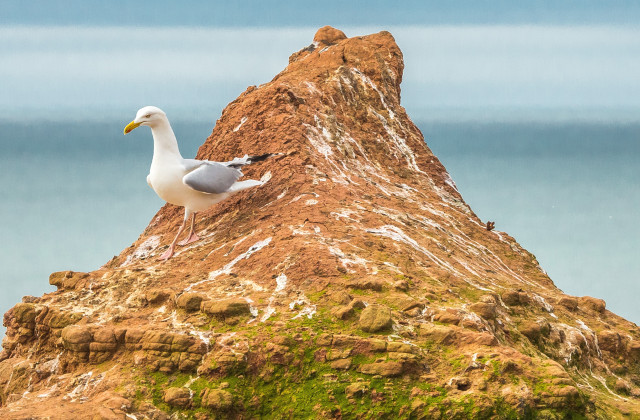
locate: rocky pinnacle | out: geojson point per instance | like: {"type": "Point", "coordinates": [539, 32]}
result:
{"type": "Point", "coordinates": [356, 283]}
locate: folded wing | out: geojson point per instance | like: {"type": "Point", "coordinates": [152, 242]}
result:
{"type": "Point", "coordinates": [210, 177]}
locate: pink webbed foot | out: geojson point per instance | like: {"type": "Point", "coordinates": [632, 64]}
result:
{"type": "Point", "coordinates": [192, 238]}
{"type": "Point", "coordinates": [167, 254]}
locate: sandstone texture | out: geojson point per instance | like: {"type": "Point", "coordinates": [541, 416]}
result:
{"type": "Point", "coordinates": [356, 283]}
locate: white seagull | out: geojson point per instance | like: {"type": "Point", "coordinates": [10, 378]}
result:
{"type": "Point", "coordinates": [193, 184]}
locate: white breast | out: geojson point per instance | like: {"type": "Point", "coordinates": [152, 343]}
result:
{"type": "Point", "coordinates": [166, 181]}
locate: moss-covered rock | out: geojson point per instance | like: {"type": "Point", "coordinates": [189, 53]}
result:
{"type": "Point", "coordinates": [177, 397]}
{"type": "Point", "coordinates": [387, 369]}
{"type": "Point", "coordinates": [356, 390]}
{"type": "Point", "coordinates": [24, 313]}
{"type": "Point", "coordinates": [217, 399]}
{"type": "Point", "coordinates": [226, 307]}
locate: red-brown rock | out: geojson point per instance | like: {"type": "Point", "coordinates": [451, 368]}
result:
{"type": "Point", "coordinates": [356, 213]}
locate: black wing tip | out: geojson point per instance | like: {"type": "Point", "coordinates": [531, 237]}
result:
{"type": "Point", "coordinates": [260, 158]}
{"type": "Point", "coordinates": [254, 159]}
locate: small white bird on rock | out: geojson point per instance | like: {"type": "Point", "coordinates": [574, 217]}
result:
{"type": "Point", "coordinates": [193, 184]}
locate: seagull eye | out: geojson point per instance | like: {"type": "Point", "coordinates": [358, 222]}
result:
{"type": "Point", "coordinates": [148, 116]}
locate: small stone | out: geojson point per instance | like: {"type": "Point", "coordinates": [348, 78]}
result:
{"type": "Point", "coordinates": [224, 385]}
{"type": "Point", "coordinates": [357, 304]}
{"type": "Point", "coordinates": [24, 313]}
{"type": "Point", "coordinates": [113, 401]}
{"type": "Point", "coordinates": [156, 297]}
{"type": "Point", "coordinates": [593, 304]}
{"type": "Point", "coordinates": [460, 383]}
{"type": "Point", "coordinates": [399, 347]}
{"type": "Point", "coordinates": [413, 313]}
{"type": "Point", "coordinates": [190, 302]}
{"type": "Point", "coordinates": [488, 299]}
{"type": "Point", "coordinates": [328, 35]}
{"type": "Point", "coordinates": [428, 378]}
{"type": "Point", "coordinates": [401, 285]}
{"type": "Point", "coordinates": [531, 329]}
{"type": "Point", "coordinates": [485, 310]}
{"type": "Point", "coordinates": [341, 364]}
{"type": "Point", "coordinates": [634, 349]}
{"type": "Point", "coordinates": [76, 338]}
{"type": "Point", "coordinates": [515, 297]}
{"type": "Point", "coordinates": [375, 318]}
{"type": "Point", "coordinates": [402, 356]}
{"type": "Point", "coordinates": [562, 381]}
{"type": "Point", "coordinates": [447, 316]}
{"type": "Point", "coordinates": [356, 390]}
{"type": "Point", "coordinates": [339, 297]}
{"type": "Point", "coordinates": [324, 340]}
{"type": "Point", "coordinates": [226, 307]}
{"type": "Point", "coordinates": [217, 399]}
{"type": "Point", "coordinates": [569, 302]}
{"type": "Point", "coordinates": [177, 397]}
{"type": "Point", "coordinates": [366, 283]}
{"type": "Point", "coordinates": [622, 387]}
{"type": "Point", "coordinates": [66, 279]}
{"type": "Point", "coordinates": [417, 408]}
{"type": "Point", "coordinates": [343, 312]}
{"type": "Point", "coordinates": [386, 369]}
{"type": "Point", "coordinates": [609, 341]}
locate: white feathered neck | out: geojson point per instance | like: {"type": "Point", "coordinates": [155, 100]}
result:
{"type": "Point", "coordinates": [165, 144]}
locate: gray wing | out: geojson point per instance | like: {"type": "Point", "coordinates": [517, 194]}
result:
{"type": "Point", "coordinates": [209, 177]}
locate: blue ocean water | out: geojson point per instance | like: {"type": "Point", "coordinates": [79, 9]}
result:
{"type": "Point", "coordinates": [74, 194]}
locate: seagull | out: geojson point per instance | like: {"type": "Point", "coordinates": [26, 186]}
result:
{"type": "Point", "coordinates": [193, 184]}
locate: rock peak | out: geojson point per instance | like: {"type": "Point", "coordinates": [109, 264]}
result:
{"type": "Point", "coordinates": [357, 272]}
{"type": "Point", "coordinates": [328, 35]}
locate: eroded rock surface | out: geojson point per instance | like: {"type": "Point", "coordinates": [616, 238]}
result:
{"type": "Point", "coordinates": [356, 281]}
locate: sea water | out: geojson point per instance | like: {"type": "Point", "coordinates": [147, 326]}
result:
{"type": "Point", "coordinates": [74, 194]}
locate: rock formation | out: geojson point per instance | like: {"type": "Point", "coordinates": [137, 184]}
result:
{"type": "Point", "coordinates": [356, 283]}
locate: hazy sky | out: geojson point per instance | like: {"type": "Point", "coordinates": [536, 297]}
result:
{"type": "Point", "coordinates": [93, 59]}
{"type": "Point", "coordinates": [84, 71]}
{"type": "Point", "coordinates": [280, 13]}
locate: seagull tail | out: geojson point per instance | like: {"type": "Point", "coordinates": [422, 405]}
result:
{"type": "Point", "coordinates": [243, 185]}
{"type": "Point", "coordinates": [248, 160]}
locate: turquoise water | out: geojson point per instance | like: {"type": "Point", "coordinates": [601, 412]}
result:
{"type": "Point", "coordinates": [74, 194]}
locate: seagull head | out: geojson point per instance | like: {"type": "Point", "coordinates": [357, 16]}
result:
{"type": "Point", "coordinates": [149, 116]}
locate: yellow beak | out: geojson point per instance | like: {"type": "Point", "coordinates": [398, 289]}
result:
{"type": "Point", "coordinates": [129, 128]}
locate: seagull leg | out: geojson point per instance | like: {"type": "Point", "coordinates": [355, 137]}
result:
{"type": "Point", "coordinates": [169, 252]}
{"type": "Point", "coordinates": [192, 235]}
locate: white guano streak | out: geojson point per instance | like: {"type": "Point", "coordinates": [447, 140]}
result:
{"type": "Point", "coordinates": [398, 235]}
{"type": "Point", "coordinates": [227, 268]}
{"type": "Point", "coordinates": [395, 233]}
